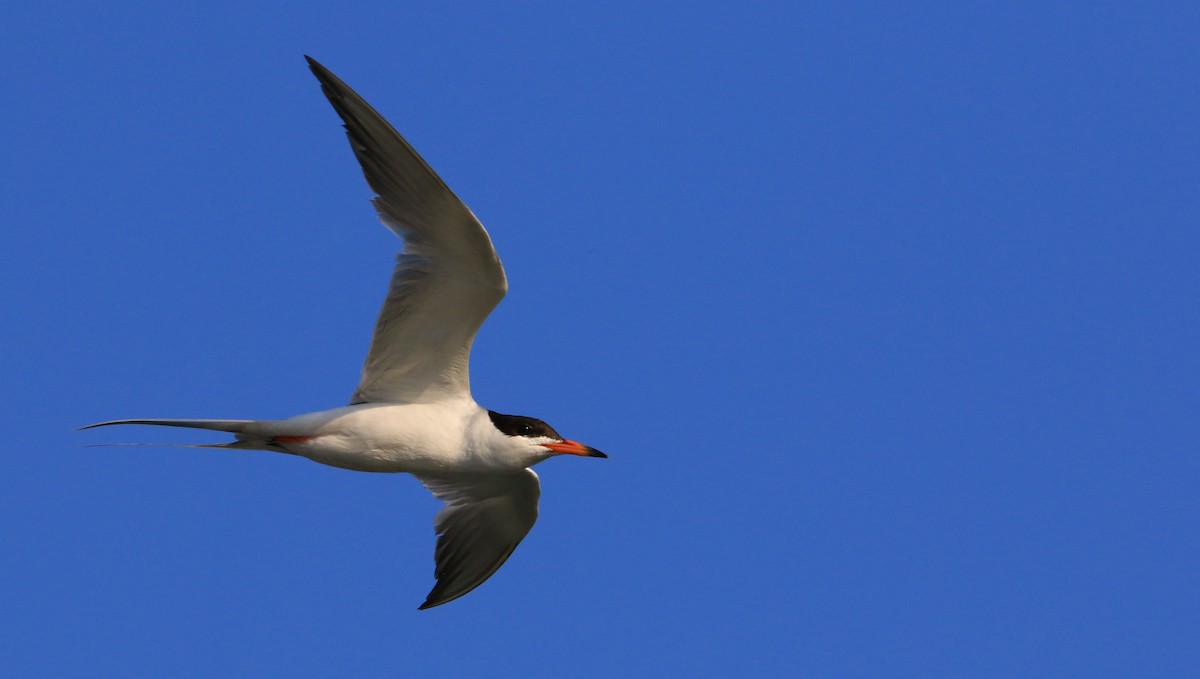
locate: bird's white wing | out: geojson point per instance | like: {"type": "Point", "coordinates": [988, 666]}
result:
{"type": "Point", "coordinates": [447, 280]}
{"type": "Point", "coordinates": [484, 520]}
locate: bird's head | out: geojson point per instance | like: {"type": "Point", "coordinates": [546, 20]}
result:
{"type": "Point", "coordinates": [540, 435]}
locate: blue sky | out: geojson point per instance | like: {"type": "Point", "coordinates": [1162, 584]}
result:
{"type": "Point", "coordinates": [887, 315]}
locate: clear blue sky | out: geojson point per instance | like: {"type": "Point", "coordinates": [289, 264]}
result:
{"type": "Point", "coordinates": [887, 314]}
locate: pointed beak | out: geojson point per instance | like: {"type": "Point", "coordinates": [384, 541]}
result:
{"type": "Point", "coordinates": [573, 448]}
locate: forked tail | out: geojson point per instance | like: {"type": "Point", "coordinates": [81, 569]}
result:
{"type": "Point", "coordinates": [231, 426]}
{"type": "Point", "coordinates": [239, 428]}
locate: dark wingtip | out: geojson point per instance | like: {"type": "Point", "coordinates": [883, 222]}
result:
{"type": "Point", "coordinates": [325, 76]}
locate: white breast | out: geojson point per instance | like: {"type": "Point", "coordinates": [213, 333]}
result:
{"type": "Point", "coordinates": [431, 438]}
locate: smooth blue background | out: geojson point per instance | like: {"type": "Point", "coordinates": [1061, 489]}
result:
{"type": "Point", "coordinates": [887, 314]}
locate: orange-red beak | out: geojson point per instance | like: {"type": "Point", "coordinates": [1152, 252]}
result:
{"type": "Point", "coordinates": [573, 448]}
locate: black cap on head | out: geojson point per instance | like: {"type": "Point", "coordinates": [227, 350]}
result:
{"type": "Point", "coordinates": [517, 425]}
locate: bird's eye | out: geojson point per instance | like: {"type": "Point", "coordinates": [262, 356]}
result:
{"type": "Point", "coordinates": [525, 429]}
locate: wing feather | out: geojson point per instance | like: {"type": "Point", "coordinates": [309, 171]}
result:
{"type": "Point", "coordinates": [484, 520]}
{"type": "Point", "coordinates": [447, 280]}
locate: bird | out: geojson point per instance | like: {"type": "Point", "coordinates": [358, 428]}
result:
{"type": "Point", "coordinates": [412, 411]}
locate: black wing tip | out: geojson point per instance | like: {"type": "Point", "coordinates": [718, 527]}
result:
{"type": "Point", "coordinates": [317, 68]}
{"type": "Point", "coordinates": [432, 601]}
{"type": "Point", "coordinates": [333, 87]}
{"type": "Point", "coordinates": [443, 593]}
{"type": "Point", "coordinates": [438, 596]}
{"type": "Point", "coordinates": [341, 96]}
{"type": "Point", "coordinates": [329, 82]}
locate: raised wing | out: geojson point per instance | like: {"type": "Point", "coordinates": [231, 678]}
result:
{"type": "Point", "coordinates": [447, 280]}
{"type": "Point", "coordinates": [484, 520]}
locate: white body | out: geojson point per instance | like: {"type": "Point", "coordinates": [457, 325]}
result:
{"type": "Point", "coordinates": [419, 438]}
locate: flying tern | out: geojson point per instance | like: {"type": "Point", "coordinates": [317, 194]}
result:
{"type": "Point", "coordinates": [413, 411]}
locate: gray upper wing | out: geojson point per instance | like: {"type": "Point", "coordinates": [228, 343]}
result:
{"type": "Point", "coordinates": [447, 280]}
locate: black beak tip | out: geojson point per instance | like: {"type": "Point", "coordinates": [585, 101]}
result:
{"type": "Point", "coordinates": [592, 452]}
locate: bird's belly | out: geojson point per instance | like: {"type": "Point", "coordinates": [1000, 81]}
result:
{"type": "Point", "coordinates": [364, 457]}
{"type": "Point", "coordinates": [385, 438]}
